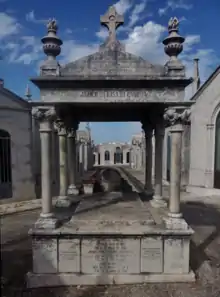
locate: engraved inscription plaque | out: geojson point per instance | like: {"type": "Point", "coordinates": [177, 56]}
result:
{"type": "Point", "coordinates": [110, 256]}
{"type": "Point", "coordinates": [112, 95]}
{"type": "Point", "coordinates": [69, 255]}
{"type": "Point", "coordinates": [176, 255]}
{"type": "Point", "coordinates": [152, 255]}
{"type": "Point", "coordinates": [44, 255]}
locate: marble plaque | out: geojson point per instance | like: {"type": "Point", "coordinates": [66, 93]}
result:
{"type": "Point", "coordinates": [176, 255]}
{"type": "Point", "coordinates": [69, 255]}
{"type": "Point", "coordinates": [110, 256]}
{"type": "Point", "coordinates": [152, 255]}
{"type": "Point", "coordinates": [44, 255]}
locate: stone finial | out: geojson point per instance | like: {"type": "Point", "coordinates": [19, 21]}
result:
{"type": "Point", "coordinates": [112, 20]}
{"type": "Point", "coordinates": [28, 93]}
{"type": "Point", "coordinates": [52, 48]}
{"type": "Point", "coordinates": [173, 47]}
{"type": "Point", "coordinates": [52, 26]}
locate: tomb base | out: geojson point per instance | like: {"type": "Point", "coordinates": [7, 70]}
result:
{"type": "Point", "coordinates": [117, 243]}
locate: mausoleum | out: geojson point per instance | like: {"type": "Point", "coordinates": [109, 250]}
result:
{"type": "Point", "coordinates": [114, 237]}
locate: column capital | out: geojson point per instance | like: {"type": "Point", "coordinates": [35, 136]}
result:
{"type": "Point", "coordinates": [176, 117]}
{"type": "Point", "coordinates": [60, 127]}
{"type": "Point", "coordinates": [44, 113]}
{"type": "Point", "coordinates": [71, 133]}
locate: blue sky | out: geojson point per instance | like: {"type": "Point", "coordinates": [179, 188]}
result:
{"type": "Point", "coordinates": [22, 25]}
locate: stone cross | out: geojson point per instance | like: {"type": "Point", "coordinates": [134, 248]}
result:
{"type": "Point", "coordinates": [112, 20]}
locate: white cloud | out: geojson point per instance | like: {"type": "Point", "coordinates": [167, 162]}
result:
{"type": "Point", "coordinates": [71, 50]}
{"type": "Point", "coordinates": [123, 6]}
{"type": "Point", "coordinates": [135, 14]}
{"type": "Point", "coordinates": [145, 41]}
{"type": "Point", "coordinates": [173, 5]}
{"type": "Point", "coordinates": [8, 25]}
{"type": "Point", "coordinates": [30, 17]}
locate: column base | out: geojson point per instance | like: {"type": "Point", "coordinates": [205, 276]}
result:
{"type": "Point", "coordinates": [158, 202]}
{"type": "Point", "coordinates": [64, 201]}
{"type": "Point", "coordinates": [149, 192]}
{"type": "Point", "coordinates": [47, 221]}
{"type": "Point", "coordinates": [72, 190]}
{"type": "Point", "coordinates": [176, 222]}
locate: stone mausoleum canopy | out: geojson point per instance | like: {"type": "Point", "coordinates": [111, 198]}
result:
{"type": "Point", "coordinates": [112, 62]}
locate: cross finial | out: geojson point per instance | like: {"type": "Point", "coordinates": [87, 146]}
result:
{"type": "Point", "coordinates": [112, 20]}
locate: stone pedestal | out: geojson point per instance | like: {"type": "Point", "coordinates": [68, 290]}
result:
{"type": "Point", "coordinates": [118, 244]}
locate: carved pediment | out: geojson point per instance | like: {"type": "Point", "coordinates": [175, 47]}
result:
{"type": "Point", "coordinates": [112, 63]}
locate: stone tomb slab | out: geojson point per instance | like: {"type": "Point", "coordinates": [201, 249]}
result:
{"type": "Point", "coordinates": [176, 255]}
{"type": "Point", "coordinates": [69, 255]}
{"type": "Point", "coordinates": [152, 255]}
{"type": "Point", "coordinates": [44, 255]}
{"type": "Point", "coordinates": [110, 256]}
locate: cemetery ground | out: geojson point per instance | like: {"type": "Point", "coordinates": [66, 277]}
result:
{"type": "Point", "coordinates": [205, 260]}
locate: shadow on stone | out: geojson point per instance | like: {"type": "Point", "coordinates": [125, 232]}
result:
{"type": "Point", "coordinates": [204, 218]}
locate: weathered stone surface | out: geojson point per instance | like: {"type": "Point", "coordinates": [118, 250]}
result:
{"type": "Point", "coordinates": [44, 255]}
{"type": "Point", "coordinates": [152, 255]}
{"type": "Point", "coordinates": [176, 255]}
{"type": "Point", "coordinates": [69, 255]}
{"type": "Point", "coordinates": [112, 63]}
{"type": "Point", "coordinates": [111, 256]}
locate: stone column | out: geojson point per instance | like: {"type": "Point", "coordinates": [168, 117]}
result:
{"type": "Point", "coordinates": [158, 165]}
{"type": "Point", "coordinates": [176, 118]}
{"type": "Point", "coordinates": [63, 199]}
{"type": "Point", "coordinates": [72, 159]}
{"type": "Point", "coordinates": [81, 158]}
{"type": "Point", "coordinates": [85, 152]}
{"type": "Point", "coordinates": [46, 116]}
{"type": "Point", "coordinates": [148, 129]}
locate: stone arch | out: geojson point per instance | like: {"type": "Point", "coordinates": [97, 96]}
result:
{"type": "Point", "coordinates": [107, 155]}
{"type": "Point", "coordinates": [5, 165]}
{"type": "Point", "coordinates": [128, 157]}
{"type": "Point", "coordinates": [217, 153]}
{"type": "Point", "coordinates": [118, 155]}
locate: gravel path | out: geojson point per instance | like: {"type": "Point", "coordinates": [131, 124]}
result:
{"type": "Point", "coordinates": [205, 255]}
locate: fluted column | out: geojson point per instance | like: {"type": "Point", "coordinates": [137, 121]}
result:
{"type": "Point", "coordinates": [148, 129]}
{"type": "Point", "coordinates": [63, 189]}
{"type": "Point", "coordinates": [72, 159]}
{"type": "Point", "coordinates": [176, 117]}
{"type": "Point", "coordinates": [46, 117]}
{"type": "Point", "coordinates": [158, 165]}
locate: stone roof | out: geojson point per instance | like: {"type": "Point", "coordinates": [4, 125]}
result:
{"type": "Point", "coordinates": [206, 84]}
{"type": "Point", "coordinates": [112, 63]}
